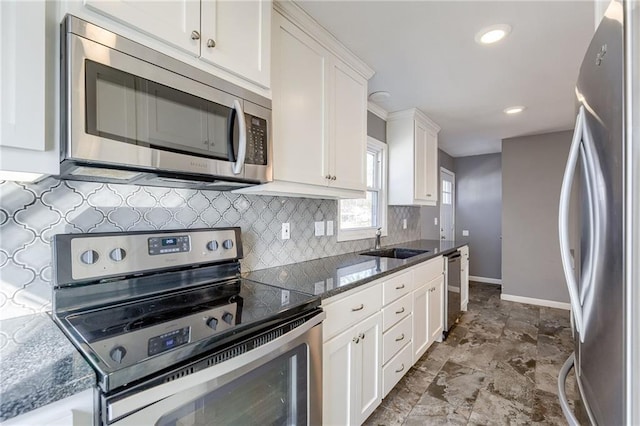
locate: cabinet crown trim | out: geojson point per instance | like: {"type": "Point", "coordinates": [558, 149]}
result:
{"type": "Point", "coordinates": [302, 19]}
{"type": "Point", "coordinates": [415, 114]}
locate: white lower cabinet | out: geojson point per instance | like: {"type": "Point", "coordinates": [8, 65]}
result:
{"type": "Point", "coordinates": [374, 335]}
{"type": "Point", "coordinates": [351, 366]}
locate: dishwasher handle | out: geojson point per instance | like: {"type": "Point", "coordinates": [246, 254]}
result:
{"type": "Point", "coordinates": [453, 256]}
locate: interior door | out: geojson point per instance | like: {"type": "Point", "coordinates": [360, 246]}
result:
{"type": "Point", "coordinates": [447, 206]}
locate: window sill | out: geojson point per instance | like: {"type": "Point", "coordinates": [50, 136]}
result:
{"type": "Point", "coordinates": [358, 234]}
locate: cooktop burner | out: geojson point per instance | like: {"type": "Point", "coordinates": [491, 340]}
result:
{"type": "Point", "coordinates": [159, 310]}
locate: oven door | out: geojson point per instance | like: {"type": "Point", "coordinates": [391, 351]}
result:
{"type": "Point", "coordinates": [124, 111]}
{"type": "Point", "coordinates": [279, 382]}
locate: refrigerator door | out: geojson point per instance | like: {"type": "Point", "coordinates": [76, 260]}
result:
{"type": "Point", "coordinates": [600, 348]}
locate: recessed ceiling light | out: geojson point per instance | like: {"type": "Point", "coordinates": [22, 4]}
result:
{"type": "Point", "coordinates": [380, 96]}
{"type": "Point", "coordinates": [514, 109]}
{"type": "Point", "coordinates": [493, 33]}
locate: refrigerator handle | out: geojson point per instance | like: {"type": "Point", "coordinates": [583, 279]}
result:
{"type": "Point", "coordinates": [562, 395]}
{"type": "Point", "coordinates": [563, 222]}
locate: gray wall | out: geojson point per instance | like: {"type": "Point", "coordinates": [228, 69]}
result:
{"type": "Point", "coordinates": [376, 127]}
{"type": "Point", "coordinates": [478, 210]}
{"type": "Point", "coordinates": [532, 169]}
{"type": "Point", "coordinates": [429, 231]}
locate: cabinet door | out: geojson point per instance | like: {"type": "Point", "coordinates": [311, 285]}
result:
{"type": "Point", "coordinates": [464, 277]}
{"type": "Point", "coordinates": [339, 378]}
{"type": "Point", "coordinates": [369, 384]}
{"type": "Point", "coordinates": [300, 129]}
{"type": "Point", "coordinates": [22, 76]}
{"type": "Point", "coordinates": [436, 309]}
{"type": "Point", "coordinates": [349, 128]}
{"type": "Point", "coordinates": [420, 162]}
{"type": "Point", "coordinates": [236, 35]}
{"type": "Point", "coordinates": [420, 321]}
{"type": "Point", "coordinates": [170, 21]}
{"type": "Point", "coordinates": [431, 172]}
{"type": "Point", "coordinates": [426, 165]}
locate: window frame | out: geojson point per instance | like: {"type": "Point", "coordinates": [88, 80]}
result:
{"type": "Point", "coordinates": [381, 149]}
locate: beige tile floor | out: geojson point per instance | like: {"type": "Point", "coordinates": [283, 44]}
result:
{"type": "Point", "coordinates": [498, 366]}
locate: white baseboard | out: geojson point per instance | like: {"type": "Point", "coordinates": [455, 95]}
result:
{"type": "Point", "coordinates": [534, 301]}
{"type": "Point", "coordinates": [453, 289]}
{"type": "Point", "coordinates": [485, 280]}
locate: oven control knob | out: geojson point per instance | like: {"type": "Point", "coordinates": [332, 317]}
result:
{"type": "Point", "coordinates": [89, 257]}
{"type": "Point", "coordinates": [212, 323]}
{"type": "Point", "coordinates": [117, 254]}
{"type": "Point", "coordinates": [118, 353]}
{"type": "Point", "coordinates": [227, 244]}
{"type": "Point", "coordinates": [227, 317]}
{"type": "Point", "coordinates": [212, 245]}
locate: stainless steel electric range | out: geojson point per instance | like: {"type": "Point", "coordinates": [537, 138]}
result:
{"type": "Point", "coordinates": [176, 337]}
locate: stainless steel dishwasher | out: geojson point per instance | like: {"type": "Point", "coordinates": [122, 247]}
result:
{"type": "Point", "coordinates": [454, 309]}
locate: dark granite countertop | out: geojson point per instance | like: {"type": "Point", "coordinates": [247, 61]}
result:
{"type": "Point", "coordinates": [38, 365]}
{"type": "Point", "coordinates": [329, 276]}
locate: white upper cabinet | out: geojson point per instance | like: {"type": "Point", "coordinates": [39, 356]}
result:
{"type": "Point", "coordinates": [28, 61]}
{"type": "Point", "coordinates": [300, 81]}
{"type": "Point", "coordinates": [319, 93]}
{"type": "Point", "coordinates": [233, 35]}
{"type": "Point", "coordinates": [413, 158]}
{"type": "Point", "coordinates": [236, 35]}
{"type": "Point", "coordinates": [349, 118]}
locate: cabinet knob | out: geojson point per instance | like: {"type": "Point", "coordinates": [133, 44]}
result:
{"type": "Point", "coordinates": [356, 340]}
{"type": "Point", "coordinates": [361, 336]}
{"type": "Point", "coordinates": [211, 43]}
{"type": "Point", "coordinates": [333, 178]}
{"type": "Point", "coordinates": [428, 195]}
{"type": "Point", "coordinates": [195, 35]}
{"type": "Point", "coordinates": [328, 177]}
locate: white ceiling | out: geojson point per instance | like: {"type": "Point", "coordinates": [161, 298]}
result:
{"type": "Point", "coordinates": [425, 55]}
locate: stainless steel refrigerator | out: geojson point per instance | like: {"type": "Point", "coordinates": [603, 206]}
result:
{"type": "Point", "coordinates": [603, 280]}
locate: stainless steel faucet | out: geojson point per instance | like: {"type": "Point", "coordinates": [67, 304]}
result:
{"type": "Point", "coordinates": [378, 235]}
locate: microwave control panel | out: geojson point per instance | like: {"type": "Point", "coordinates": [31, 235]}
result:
{"type": "Point", "coordinates": [257, 140]}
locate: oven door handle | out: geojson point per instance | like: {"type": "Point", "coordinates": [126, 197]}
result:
{"type": "Point", "coordinates": [215, 374]}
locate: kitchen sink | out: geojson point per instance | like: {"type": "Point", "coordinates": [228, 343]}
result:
{"type": "Point", "coordinates": [396, 253]}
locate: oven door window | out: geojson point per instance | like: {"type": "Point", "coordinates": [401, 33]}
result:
{"type": "Point", "coordinates": [274, 393]}
{"type": "Point", "coordinates": [132, 109]}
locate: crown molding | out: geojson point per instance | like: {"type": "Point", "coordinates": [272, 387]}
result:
{"type": "Point", "coordinates": [377, 110]}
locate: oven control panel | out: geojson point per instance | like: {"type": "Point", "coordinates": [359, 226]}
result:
{"type": "Point", "coordinates": [168, 341]}
{"type": "Point", "coordinates": [94, 256]}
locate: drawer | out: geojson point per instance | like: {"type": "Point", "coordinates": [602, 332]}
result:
{"type": "Point", "coordinates": [428, 271]}
{"type": "Point", "coordinates": [396, 311]}
{"type": "Point", "coordinates": [350, 309]}
{"type": "Point", "coordinates": [395, 369]}
{"type": "Point", "coordinates": [396, 287]}
{"type": "Point", "coordinates": [394, 339]}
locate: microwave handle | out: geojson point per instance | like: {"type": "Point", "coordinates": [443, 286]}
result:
{"type": "Point", "coordinates": [237, 162]}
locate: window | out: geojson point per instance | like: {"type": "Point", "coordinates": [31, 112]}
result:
{"type": "Point", "coordinates": [447, 189]}
{"type": "Point", "coordinates": [359, 219]}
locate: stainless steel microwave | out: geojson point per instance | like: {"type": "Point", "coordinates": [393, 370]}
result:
{"type": "Point", "coordinates": [134, 115]}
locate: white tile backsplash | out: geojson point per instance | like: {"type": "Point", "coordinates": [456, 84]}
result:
{"type": "Point", "coordinates": [30, 214]}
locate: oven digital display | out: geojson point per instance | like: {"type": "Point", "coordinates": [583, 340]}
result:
{"type": "Point", "coordinates": [169, 242]}
{"type": "Point", "coordinates": [168, 341]}
{"type": "Point", "coordinates": [169, 245]}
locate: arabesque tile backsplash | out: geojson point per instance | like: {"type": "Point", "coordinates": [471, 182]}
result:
{"type": "Point", "coordinates": [31, 213]}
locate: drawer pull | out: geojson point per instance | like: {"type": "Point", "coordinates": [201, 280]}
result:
{"type": "Point", "coordinates": [400, 338]}
{"type": "Point", "coordinates": [401, 368]}
{"type": "Point", "coordinates": [359, 308]}
{"type": "Point", "coordinates": [400, 311]}
{"type": "Point", "coordinates": [400, 287]}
